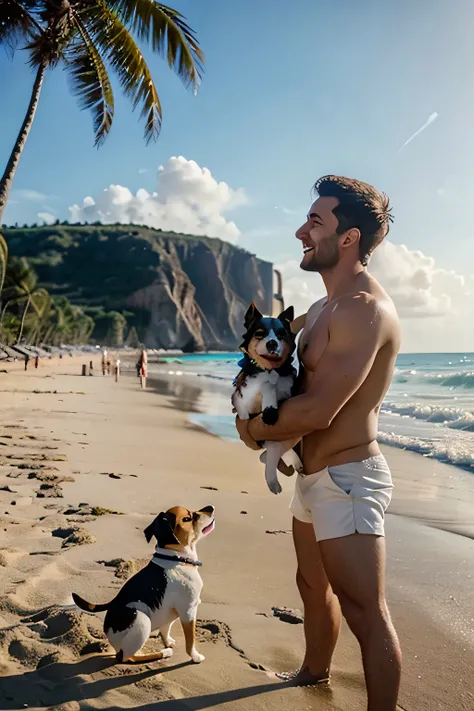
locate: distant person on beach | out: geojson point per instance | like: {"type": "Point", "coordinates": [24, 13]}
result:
{"type": "Point", "coordinates": [104, 362]}
{"type": "Point", "coordinates": [27, 360]}
{"type": "Point", "coordinates": [143, 368]}
{"type": "Point", "coordinates": [117, 370]}
{"type": "Point", "coordinates": [347, 348]}
{"type": "Point", "coordinates": [36, 361]}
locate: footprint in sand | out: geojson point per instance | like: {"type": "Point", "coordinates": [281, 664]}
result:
{"type": "Point", "coordinates": [73, 536]}
{"type": "Point", "coordinates": [8, 556]}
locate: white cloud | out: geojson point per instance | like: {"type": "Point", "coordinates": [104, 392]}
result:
{"type": "Point", "coordinates": [431, 119]}
{"type": "Point", "coordinates": [187, 199]}
{"type": "Point", "coordinates": [141, 171]}
{"type": "Point", "coordinates": [47, 217]}
{"type": "Point", "coordinates": [436, 306]}
{"type": "Point", "coordinates": [285, 210]}
{"type": "Point", "coordinates": [300, 289]}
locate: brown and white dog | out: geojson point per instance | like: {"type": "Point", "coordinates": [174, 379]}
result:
{"type": "Point", "coordinates": [267, 377]}
{"type": "Point", "coordinates": [168, 588]}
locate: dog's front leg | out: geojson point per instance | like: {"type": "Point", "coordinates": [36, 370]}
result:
{"type": "Point", "coordinates": [273, 454]}
{"type": "Point", "coordinates": [189, 629]}
{"type": "Point", "coordinates": [269, 404]}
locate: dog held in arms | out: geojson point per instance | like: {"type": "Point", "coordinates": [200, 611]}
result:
{"type": "Point", "coordinates": [267, 377]}
{"type": "Point", "coordinates": [168, 588]}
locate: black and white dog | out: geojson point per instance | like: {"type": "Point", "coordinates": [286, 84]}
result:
{"type": "Point", "coordinates": [168, 588]}
{"type": "Point", "coordinates": [267, 377]}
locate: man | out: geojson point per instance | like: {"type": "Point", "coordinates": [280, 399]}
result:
{"type": "Point", "coordinates": [347, 351]}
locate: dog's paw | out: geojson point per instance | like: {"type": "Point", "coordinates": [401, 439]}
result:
{"type": "Point", "coordinates": [167, 652]}
{"type": "Point", "coordinates": [275, 487]}
{"type": "Point", "coordinates": [196, 657]}
{"type": "Point", "coordinates": [270, 415]}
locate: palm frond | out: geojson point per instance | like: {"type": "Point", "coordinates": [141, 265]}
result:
{"type": "Point", "coordinates": [39, 301]}
{"type": "Point", "coordinates": [15, 22]}
{"type": "Point", "coordinates": [90, 81]}
{"type": "Point", "coordinates": [49, 42]}
{"type": "Point", "coordinates": [167, 32]}
{"type": "Point", "coordinates": [118, 47]}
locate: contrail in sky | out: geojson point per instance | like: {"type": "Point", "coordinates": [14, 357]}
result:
{"type": "Point", "coordinates": [431, 120]}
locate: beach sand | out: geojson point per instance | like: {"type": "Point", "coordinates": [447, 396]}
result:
{"type": "Point", "coordinates": [83, 443]}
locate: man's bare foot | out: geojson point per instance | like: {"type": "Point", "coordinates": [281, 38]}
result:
{"type": "Point", "coordinates": [303, 677]}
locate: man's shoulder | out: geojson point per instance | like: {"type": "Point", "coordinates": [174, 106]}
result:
{"type": "Point", "coordinates": [356, 312]}
{"type": "Point", "coordinates": [364, 314]}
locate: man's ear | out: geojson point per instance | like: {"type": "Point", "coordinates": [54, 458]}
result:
{"type": "Point", "coordinates": [163, 530]}
{"type": "Point", "coordinates": [253, 314]}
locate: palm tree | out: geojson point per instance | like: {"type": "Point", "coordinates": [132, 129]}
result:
{"type": "Point", "coordinates": [3, 261]}
{"type": "Point", "coordinates": [21, 286]}
{"type": "Point", "coordinates": [90, 37]}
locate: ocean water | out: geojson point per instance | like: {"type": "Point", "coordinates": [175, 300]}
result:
{"type": "Point", "coordinates": [428, 409]}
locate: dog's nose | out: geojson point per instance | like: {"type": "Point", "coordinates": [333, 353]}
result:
{"type": "Point", "coordinates": [272, 346]}
{"type": "Point", "coordinates": [208, 510]}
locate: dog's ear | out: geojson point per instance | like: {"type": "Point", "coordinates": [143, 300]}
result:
{"type": "Point", "coordinates": [163, 530]}
{"type": "Point", "coordinates": [252, 315]}
{"type": "Point", "coordinates": [287, 315]}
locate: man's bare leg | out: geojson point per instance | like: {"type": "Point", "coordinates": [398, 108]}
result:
{"type": "Point", "coordinates": [355, 566]}
{"type": "Point", "coordinates": [322, 613]}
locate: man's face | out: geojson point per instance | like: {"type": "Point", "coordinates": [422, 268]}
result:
{"type": "Point", "coordinates": [318, 236]}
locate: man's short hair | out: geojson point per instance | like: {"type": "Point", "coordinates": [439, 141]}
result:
{"type": "Point", "coordinates": [360, 206]}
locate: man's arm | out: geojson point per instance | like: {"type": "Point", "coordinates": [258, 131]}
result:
{"type": "Point", "coordinates": [355, 337]}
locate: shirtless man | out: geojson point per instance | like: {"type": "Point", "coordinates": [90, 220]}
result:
{"type": "Point", "coordinates": [347, 351]}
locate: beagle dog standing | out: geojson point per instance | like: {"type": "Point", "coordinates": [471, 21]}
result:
{"type": "Point", "coordinates": [168, 588]}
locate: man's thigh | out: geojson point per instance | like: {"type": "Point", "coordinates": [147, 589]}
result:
{"type": "Point", "coordinates": [308, 556]}
{"type": "Point", "coordinates": [355, 567]}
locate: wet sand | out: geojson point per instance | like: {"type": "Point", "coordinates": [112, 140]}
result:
{"type": "Point", "coordinates": [104, 459]}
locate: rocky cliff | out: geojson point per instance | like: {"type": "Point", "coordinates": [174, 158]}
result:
{"type": "Point", "coordinates": [175, 290]}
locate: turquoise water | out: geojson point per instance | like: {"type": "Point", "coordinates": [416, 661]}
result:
{"type": "Point", "coordinates": [429, 407]}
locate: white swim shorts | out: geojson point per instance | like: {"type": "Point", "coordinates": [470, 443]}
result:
{"type": "Point", "coordinates": [344, 499]}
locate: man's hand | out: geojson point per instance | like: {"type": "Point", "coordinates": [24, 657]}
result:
{"type": "Point", "coordinates": [242, 428]}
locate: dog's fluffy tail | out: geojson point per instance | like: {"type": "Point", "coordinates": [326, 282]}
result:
{"type": "Point", "coordinates": [89, 606]}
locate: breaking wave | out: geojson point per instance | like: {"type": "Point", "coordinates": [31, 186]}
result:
{"type": "Point", "coordinates": [458, 453]}
{"type": "Point", "coordinates": [452, 417]}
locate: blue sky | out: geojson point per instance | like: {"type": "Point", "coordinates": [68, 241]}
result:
{"type": "Point", "coordinates": [291, 91]}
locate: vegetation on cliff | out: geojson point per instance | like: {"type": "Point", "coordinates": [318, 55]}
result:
{"type": "Point", "coordinates": [130, 284]}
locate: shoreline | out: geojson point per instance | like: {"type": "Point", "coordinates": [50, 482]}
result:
{"type": "Point", "coordinates": [157, 460]}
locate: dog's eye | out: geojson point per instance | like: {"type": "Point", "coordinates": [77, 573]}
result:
{"type": "Point", "coordinates": [281, 334]}
{"type": "Point", "coordinates": [186, 519]}
{"type": "Point", "coordinates": [260, 334]}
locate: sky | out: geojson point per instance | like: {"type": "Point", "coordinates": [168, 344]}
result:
{"type": "Point", "coordinates": [381, 91]}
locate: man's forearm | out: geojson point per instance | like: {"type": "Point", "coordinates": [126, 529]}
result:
{"type": "Point", "coordinates": [296, 418]}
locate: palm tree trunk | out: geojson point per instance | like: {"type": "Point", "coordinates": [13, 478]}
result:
{"type": "Point", "coordinates": [20, 332]}
{"type": "Point", "coordinates": [5, 306]}
{"type": "Point", "coordinates": [10, 170]}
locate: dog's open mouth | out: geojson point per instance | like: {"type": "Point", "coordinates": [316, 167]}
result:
{"type": "Point", "coordinates": [210, 527]}
{"type": "Point", "coordinates": [272, 357]}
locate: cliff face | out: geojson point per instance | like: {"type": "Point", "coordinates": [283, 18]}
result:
{"type": "Point", "coordinates": [174, 289]}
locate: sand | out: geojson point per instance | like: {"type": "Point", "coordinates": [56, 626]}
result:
{"type": "Point", "coordinates": [86, 464]}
